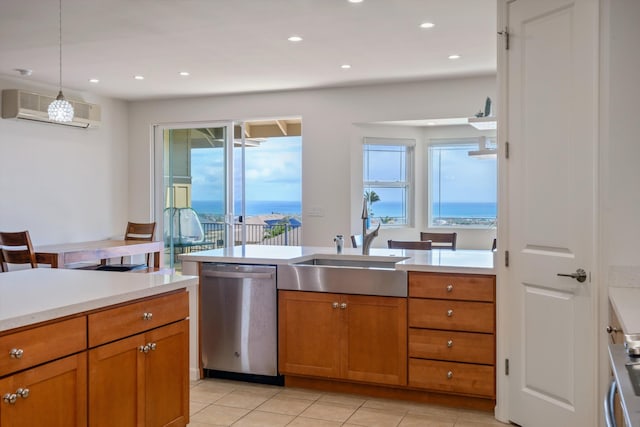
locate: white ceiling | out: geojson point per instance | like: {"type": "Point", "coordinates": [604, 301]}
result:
{"type": "Point", "coordinates": [235, 46]}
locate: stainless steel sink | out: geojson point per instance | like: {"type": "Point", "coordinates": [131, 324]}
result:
{"type": "Point", "coordinates": [364, 276]}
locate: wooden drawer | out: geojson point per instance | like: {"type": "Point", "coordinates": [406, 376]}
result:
{"type": "Point", "coordinates": [126, 320]}
{"type": "Point", "coordinates": [465, 287]}
{"type": "Point", "coordinates": [452, 315]}
{"type": "Point", "coordinates": [42, 343]}
{"type": "Point", "coordinates": [454, 346]}
{"type": "Point", "coordinates": [452, 377]}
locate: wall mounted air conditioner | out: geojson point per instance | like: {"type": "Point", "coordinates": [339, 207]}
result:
{"type": "Point", "coordinates": [19, 104]}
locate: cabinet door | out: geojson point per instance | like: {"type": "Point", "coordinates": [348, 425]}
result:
{"type": "Point", "coordinates": [309, 333]}
{"type": "Point", "coordinates": [116, 383]}
{"type": "Point", "coordinates": [375, 346]}
{"type": "Point", "coordinates": [167, 375]}
{"type": "Point", "coordinates": [56, 395]}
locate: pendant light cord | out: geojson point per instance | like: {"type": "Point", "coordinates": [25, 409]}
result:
{"type": "Point", "coordinates": [60, 40]}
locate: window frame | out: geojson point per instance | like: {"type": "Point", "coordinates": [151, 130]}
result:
{"type": "Point", "coordinates": [408, 183]}
{"type": "Point", "coordinates": [428, 208]}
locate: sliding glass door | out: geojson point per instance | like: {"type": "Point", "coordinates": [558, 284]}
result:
{"type": "Point", "coordinates": [194, 205]}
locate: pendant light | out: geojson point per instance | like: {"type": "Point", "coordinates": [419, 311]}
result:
{"type": "Point", "coordinates": [60, 110]}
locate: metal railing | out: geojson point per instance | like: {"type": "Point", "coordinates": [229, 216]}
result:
{"type": "Point", "coordinates": [281, 234]}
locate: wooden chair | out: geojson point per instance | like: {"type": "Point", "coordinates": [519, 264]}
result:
{"type": "Point", "coordinates": [423, 245]}
{"type": "Point", "coordinates": [440, 240]}
{"type": "Point", "coordinates": [356, 240]}
{"type": "Point", "coordinates": [16, 248]}
{"type": "Point", "coordinates": [140, 231]}
{"type": "Point", "coordinates": [134, 231]}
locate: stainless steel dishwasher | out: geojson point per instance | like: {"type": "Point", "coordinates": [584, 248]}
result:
{"type": "Point", "coordinates": [239, 322]}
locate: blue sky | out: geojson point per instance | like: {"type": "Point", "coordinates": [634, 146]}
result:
{"type": "Point", "coordinates": [273, 171]}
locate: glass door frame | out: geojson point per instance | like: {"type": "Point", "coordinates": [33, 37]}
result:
{"type": "Point", "coordinates": [158, 184]}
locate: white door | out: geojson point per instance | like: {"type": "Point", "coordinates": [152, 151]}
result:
{"type": "Point", "coordinates": [551, 127]}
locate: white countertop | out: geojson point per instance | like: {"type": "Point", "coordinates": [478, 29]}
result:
{"type": "Point", "coordinates": [436, 260]}
{"type": "Point", "coordinates": [625, 302]}
{"type": "Point", "coordinates": [40, 294]}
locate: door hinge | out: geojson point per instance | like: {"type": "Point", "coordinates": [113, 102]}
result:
{"type": "Point", "coordinates": [506, 149]}
{"type": "Point", "coordinates": [506, 258]}
{"type": "Point", "coordinates": [505, 33]}
{"type": "Point", "coordinates": [506, 367]}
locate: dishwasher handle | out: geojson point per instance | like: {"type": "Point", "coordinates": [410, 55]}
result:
{"type": "Point", "coordinates": [609, 402]}
{"type": "Point", "coordinates": [237, 275]}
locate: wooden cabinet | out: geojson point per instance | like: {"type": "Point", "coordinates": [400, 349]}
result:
{"type": "Point", "coordinates": [353, 337]}
{"type": "Point", "coordinates": [43, 383]}
{"type": "Point", "coordinates": [140, 379]}
{"type": "Point", "coordinates": [53, 395]}
{"type": "Point", "coordinates": [452, 333]}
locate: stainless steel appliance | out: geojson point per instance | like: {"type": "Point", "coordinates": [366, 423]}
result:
{"type": "Point", "coordinates": [239, 321]}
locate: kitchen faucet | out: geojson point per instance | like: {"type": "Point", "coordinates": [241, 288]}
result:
{"type": "Point", "coordinates": [367, 238]}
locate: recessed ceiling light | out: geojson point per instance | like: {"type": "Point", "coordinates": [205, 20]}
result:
{"type": "Point", "coordinates": [184, 73]}
{"type": "Point", "coordinates": [94, 81]}
{"type": "Point", "coordinates": [138, 77]}
{"type": "Point", "coordinates": [355, 1]}
{"type": "Point", "coordinates": [454, 56]}
{"type": "Point", "coordinates": [427, 25]}
{"type": "Point", "coordinates": [345, 66]}
{"type": "Point", "coordinates": [295, 39]}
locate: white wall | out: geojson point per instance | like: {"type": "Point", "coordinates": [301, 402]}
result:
{"type": "Point", "coordinates": [64, 184]}
{"type": "Point", "coordinates": [331, 125]}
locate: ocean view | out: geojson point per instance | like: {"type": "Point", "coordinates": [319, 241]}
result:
{"type": "Point", "coordinates": [380, 209]}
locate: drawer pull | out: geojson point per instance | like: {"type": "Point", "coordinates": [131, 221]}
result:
{"type": "Point", "coordinates": [343, 305]}
{"type": "Point", "coordinates": [10, 398]}
{"type": "Point", "coordinates": [449, 288]}
{"type": "Point", "coordinates": [16, 353]}
{"type": "Point", "coordinates": [335, 305]}
{"type": "Point", "coordinates": [23, 392]}
{"type": "Point", "coordinates": [144, 349]}
{"type": "Point", "coordinates": [449, 313]}
{"type": "Point", "coordinates": [147, 316]}
{"type": "Point", "coordinates": [449, 375]}
{"type": "Point", "coordinates": [152, 346]}
{"type": "Point", "coordinates": [450, 343]}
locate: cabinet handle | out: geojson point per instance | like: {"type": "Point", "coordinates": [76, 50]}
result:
{"type": "Point", "coordinates": [449, 288]}
{"type": "Point", "coordinates": [449, 375]}
{"type": "Point", "coordinates": [144, 349]}
{"type": "Point", "coordinates": [23, 392]}
{"type": "Point", "coordinates": [10, 398]}
{"type": "Point", "coordinates": [450, 343]}
{"type": "Point", "coordinates": [152, 346]}
{"type": "Point", "coordinates": [449, 313]}
{"type": "Point", "coordinates": [611, 329]}
{"type": "Point", "coordinates": [335, 305]}
{"type": "Point", "coordinates": [16, 353]}
{"type": "Point", "coordinates": [343, 305]}
{"type": "Point", "coordinates": [147, 316]}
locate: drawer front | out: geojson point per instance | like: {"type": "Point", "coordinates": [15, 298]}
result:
{"type": "Point", "coordinates": [452, 286]}
{"type": "Point", "coordinates": [478, 380]}
{"type": "Point", "coordinates": [119, 322]}
{"type": "Point", "coordinates": [452, 315]}
{"type": "Point", "coordinates": [454, 346]}
{"type": "Point", "coordinates": [41, 344]}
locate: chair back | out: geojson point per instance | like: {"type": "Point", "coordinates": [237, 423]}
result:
{"type": "Point", "coordinates": [16, 248]}
{"type": "Point", "coordinates": [140, 231]}
{"type": "Point", "coordinates": [356, 240]}
{"type": "Point", "coordinates": [440, 240]}
{"type": "Point", "coordinates": [423, 245]}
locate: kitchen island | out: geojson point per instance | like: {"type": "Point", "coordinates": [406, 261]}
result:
{"type": "Point", "coordinates": [431, 339]}
{"type": "Point", "coordinates": [84, 348]}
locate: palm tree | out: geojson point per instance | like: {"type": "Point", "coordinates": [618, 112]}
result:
{"type": "Point", "coordinates": [371, 197]}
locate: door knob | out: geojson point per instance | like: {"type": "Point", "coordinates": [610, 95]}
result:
{"type": "Point", "coordinates": [580, 275]}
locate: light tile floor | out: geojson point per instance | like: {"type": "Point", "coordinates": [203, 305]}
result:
{"type": "Point", "coordinates": [217, 402]}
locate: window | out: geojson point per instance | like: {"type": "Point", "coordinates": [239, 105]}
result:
{"type": "Point", "coordinates": [462, 188]}
{"type": "Point", "coordinates": [387, 179]}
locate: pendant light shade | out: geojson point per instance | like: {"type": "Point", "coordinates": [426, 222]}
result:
{"type": "Point", "coordinates": [60, 110]}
